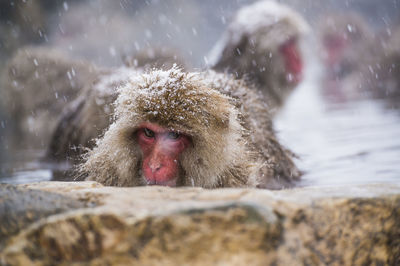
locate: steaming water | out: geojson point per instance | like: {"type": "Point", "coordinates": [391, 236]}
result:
{"type": "Point", "coordinates": [340, 144]}
{"type": "Point", "coordinates": [25, 167]}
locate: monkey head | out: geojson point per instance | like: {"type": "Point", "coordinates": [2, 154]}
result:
{"type": "Point", "coordinates": [170, 128]}
{"type": "Point", "coordinates": [263, 43]}
{"type": "Point", "coordinates": [342, 37]}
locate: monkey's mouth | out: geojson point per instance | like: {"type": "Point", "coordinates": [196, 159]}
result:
{"type": "Point", "coordinates": [155, 182]}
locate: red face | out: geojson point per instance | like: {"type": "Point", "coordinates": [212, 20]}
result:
{"type": "Point", "coordinates": [161, 149]}
{"type": "Point", "coordinates": [293, 62]}
{"type": "Point", "coordinates": [335, 45]}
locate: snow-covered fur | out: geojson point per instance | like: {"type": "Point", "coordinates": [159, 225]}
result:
{"type": "Point", "coordinates": [250, 47]}
{"type": "Point", "coordinates": [90, 113]}
{"type": "Point", "coordinates": [233, 144]}
{"type": "Point", "coordinates": [86, 118]}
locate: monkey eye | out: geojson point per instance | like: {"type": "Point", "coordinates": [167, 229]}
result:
{"type": "Point", "coordinates": [173, 135]}
{"type": "Point", "coordinates": [148, 133]}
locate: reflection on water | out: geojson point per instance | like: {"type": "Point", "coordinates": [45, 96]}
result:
{"type": "Point", "coordinates": [352, 143]}
{"type": "Point", "coordinates": [25, 167]}
{"type": "Point", "coordinates": [28, 176]}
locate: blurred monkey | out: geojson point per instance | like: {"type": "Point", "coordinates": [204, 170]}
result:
{"type": "Point", "coordinates": [263, 45]}
{"type": "Point", "coordinates": [36, 85]}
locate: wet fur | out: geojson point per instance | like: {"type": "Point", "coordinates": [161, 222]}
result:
{"type": "Point", "coordinates": [230, 146]}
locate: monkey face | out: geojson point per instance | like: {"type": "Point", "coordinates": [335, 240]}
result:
{"type": "Point", "coordinates": [293, 62]}
{"type": "Point", "coordinates": [170, 128]}
{"type": "Point", "coordinates": [161, 149]}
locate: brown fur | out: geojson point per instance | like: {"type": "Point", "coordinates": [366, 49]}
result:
{"type": "Point", "coordinates": [252, 50]}
{"type": "Point", "coordinates": [35, 86]}
{"type": "Point", "coordinates": [233, 144]}
{"type": "Point", "coordinates": [86, 118]}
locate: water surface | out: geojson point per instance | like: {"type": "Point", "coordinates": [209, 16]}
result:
{"type": "Point", "coordinates": [356, 142]}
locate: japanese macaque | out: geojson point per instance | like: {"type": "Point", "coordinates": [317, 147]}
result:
{"type": "Point", "coordinates": [35, 86]}
{"type": "Point", "coordinates": [263, 44]}
{"type": "Point", "coordinates": [189, 129]}
{"type": "Point", "coordinates": [360, 64]}
{"type": "Point", "coordinates": [347, 49]}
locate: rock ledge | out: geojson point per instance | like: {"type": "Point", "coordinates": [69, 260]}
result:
{"type": "Point", "coordinates": [86, 223]}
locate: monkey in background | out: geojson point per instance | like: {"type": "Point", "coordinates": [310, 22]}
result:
{"type": "Point", "coordinates": [340, 35]}
{"type": "Point", "coordinates": [85, 119]}
{"type": "Point", "coordinates": [36, 84]}
{"type": "Point", "coordinates": [348, 51]}
{"type": "Point", "coordinates": [360, 63]}
{"type": "Point", "coordinates": [189, 129]}
{"type": "Point", "coordinates": [263, 45]}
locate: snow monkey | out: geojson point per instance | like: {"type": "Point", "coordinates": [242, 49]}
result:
{"type": "Point", "coordinates": [175, 128]}
{"type": "Point", "coordinates": [344, 39]}
{"type": "Point", "coordinates": [349, 52]}
{"type": "Point", "coordinates": [36, 84]}
{"type": "Point", "coordinates": [263, 44]}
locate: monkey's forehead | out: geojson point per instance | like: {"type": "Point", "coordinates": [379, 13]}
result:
{"type": "Point", "coordinates": [173, 98]}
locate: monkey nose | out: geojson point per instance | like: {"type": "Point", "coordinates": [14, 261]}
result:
{"type": "Point", "coordinates": [154, 167]}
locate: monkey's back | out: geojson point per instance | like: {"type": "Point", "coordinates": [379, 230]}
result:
{"type": "Point", "coordinates": [36, 85]}
{"type": "Point", "coordinates": [277, 169]}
